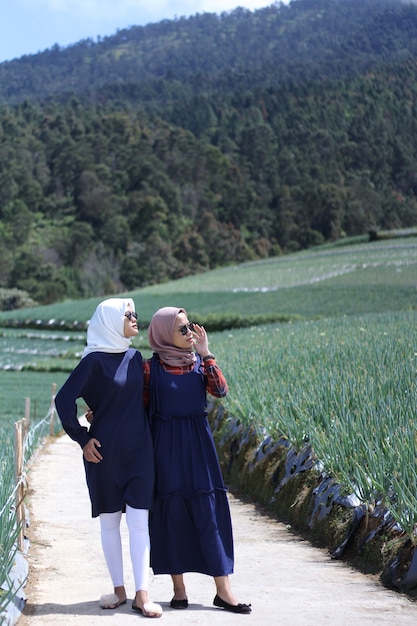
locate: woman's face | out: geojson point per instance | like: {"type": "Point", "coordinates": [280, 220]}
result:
{"type": "Point", "coordinates": [183, 341]}
{"type": "Point", "coordinates": [130, 327]}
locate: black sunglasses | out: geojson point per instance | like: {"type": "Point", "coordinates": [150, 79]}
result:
{"type": "Point", "coordinates": [130, 314]}
{"type": "Point", "coordinates": [184, 329]}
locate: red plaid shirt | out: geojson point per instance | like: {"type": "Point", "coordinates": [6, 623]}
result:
{"type": "Point", "coordinates": [216, 382]}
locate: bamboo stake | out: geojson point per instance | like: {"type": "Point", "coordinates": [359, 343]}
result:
{"type": "Point", "coordinates": [20, 491]}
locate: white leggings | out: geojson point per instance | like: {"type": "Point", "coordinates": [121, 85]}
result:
{"type": "Point", "coordinates": [137, 523]}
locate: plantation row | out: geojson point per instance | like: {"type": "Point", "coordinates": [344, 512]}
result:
{"type": "Point", "coordinates": [326, 281]}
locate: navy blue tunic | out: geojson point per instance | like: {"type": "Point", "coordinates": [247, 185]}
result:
{"type": "Point", "coordinates": [190, 526]}
{"type": "Point", "coordinates": [112, 386]}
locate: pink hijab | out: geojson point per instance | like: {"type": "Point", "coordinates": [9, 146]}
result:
{"type": "Point", "coordinates": [161, 337]}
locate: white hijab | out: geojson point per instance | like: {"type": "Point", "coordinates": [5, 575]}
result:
{"type": "Point", "coordinates": [105, 332]}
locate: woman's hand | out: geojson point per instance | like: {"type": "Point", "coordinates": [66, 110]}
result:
{"type": "Point", "coordinates": [201, 340]}
{"type": "Point", "coordinates": [90, 451]}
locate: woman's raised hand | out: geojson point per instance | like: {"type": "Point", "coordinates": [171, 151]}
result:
{"type": "Point", "coordinates": [200, 340]}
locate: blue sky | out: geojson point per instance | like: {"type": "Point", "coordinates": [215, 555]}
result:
{"type": "Point", "coordinates": [31, 26]}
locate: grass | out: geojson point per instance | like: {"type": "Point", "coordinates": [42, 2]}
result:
{"type": "Point", "coordinates": [16, 386]}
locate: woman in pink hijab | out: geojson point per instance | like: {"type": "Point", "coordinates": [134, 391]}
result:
{"type": "Point", "coordinates": [190, 525]}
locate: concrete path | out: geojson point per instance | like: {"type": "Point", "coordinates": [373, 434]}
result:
{"type": "Point", "coordinates": [288, 582]}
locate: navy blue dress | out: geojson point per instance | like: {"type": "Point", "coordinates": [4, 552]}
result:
{"type": "Point", "coordinates": [112, 386]}
{"type": "Point", "coordinates": [190, 525]}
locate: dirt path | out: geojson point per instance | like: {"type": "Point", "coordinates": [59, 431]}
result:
{"type": "Point", "coordinates": [287, 581]}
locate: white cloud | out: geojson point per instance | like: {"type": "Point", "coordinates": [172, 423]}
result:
{"type": "Point", "coordinates": [118, 11]}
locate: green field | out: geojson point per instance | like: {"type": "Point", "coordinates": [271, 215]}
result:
{"type": "Point", "coordinates": [357, 279]}
{"type": "Point", "coordinates": [340, 373]}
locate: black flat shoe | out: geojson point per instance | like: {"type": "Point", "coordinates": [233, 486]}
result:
{"type": "Point", "coordinates": [234, 608]}
{"type": "Point", "coordinates": [179, 604]}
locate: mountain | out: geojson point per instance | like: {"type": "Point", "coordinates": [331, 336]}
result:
{"type": "Point", "coordinates": [180, 146]}
{"type": "Point", "coordinates": [309, 39]}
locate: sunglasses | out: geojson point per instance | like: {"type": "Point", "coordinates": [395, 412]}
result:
{"type": "Point", "coordinates": [130, 314]}
{"type": "Point", "coordinates": [184, 329]}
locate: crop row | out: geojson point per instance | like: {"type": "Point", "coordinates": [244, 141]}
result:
{"type": "Point", "coordinates": [348, 388]}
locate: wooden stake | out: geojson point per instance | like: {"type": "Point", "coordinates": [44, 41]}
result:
{"type": "Point", "coordinates": [20, 491]}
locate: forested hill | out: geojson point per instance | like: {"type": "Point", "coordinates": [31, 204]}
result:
{"type": "Point", "coordinates": [306, 39]}
{"type": "Point", "coordinates": [180, 146]}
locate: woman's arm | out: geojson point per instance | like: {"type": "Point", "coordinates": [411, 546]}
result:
{"type": "Point", "coordinates": [216, 382]}
{"type": "Point", "coordinates": [66, 405]}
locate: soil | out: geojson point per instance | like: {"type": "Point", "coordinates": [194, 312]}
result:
{"type": "Point", "coordinates": [285, 578]}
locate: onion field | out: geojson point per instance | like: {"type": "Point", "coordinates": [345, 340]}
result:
{"type": "Point", "coordinates": [348, 387]}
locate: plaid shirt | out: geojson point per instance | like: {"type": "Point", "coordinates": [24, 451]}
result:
{"type": "Point", "coordinates": [216, 382]}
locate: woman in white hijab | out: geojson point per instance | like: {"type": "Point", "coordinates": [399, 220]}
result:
{"type": "Point", "coordinates": [117, 448]}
